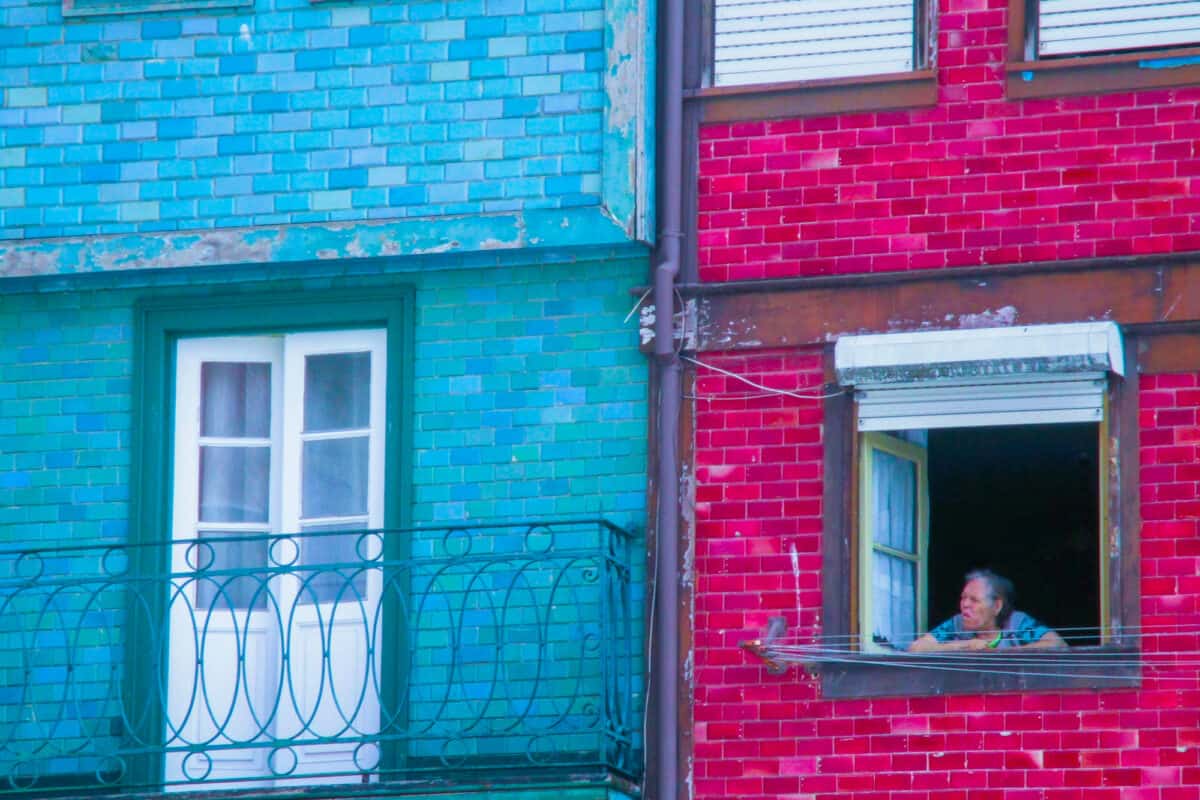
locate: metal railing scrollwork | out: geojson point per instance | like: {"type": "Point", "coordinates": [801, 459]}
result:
{"type": "Point", "coordinates": [365, 657]}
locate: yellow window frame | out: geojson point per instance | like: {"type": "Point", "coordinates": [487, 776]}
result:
{"type": "Point", "coordinates": [869, 444]}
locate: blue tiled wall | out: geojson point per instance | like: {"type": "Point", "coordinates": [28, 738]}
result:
{"type": "Point", "coordinates": [290, 111]}
{"type": "Point", "coordinates": [529, 399]}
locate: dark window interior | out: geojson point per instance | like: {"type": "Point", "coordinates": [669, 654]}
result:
{"type": "Point", "coordinates": [1023, 501]}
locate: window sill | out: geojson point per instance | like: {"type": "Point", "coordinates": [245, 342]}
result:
{"type": "Point", "coordinates": [1106, 73]}
{"type": "Point", "coordinates": [817, 98]}
{"type": "Point", "coordinates": [881, 675]}
{"type": "Point", "coordinates": [107, 8]}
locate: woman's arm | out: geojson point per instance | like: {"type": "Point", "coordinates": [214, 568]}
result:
{"type": "Point", "coordinates": [1049, 639]}
{"type": "Point", "coordinates": [928, 644]}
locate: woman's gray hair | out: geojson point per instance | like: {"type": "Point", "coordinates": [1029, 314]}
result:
{"type": "Point", "coordinates": [998, 587]}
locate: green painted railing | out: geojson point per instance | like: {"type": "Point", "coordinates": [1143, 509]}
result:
{"type": "Point", "coordinates": [379, 658]}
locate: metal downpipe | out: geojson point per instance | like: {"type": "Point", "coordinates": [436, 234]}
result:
{"type": "Point", "coordinates": [665, 667]}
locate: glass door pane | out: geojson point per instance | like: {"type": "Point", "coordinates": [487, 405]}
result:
{"type": "Point", "coordinates": [335, 458]}
{"type": "Point", "coordinates": [224, 653]}
{"type": "Point", "coordinates": [333, 492]}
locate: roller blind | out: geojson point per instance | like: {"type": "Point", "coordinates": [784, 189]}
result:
{"type": "Point", "coordinates": [1024, 375]}
{"type": "Point", "coordinates": [773, 41]}
{"type": "Point", "coordinates": [1006, 400]}
{"type": "Point", "coordinates": [1067, 27]}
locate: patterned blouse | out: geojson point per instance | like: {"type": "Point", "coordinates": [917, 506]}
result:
{"type": "Point", "coordinates": [1020, 629]}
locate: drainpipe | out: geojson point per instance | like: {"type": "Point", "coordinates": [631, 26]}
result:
{"type": "Point", "coordinates": [665, 668]}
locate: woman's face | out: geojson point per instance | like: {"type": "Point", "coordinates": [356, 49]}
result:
{"type": "Point", "coordinates": [978, 614]}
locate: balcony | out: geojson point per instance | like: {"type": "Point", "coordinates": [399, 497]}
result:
{"type": "Point", "coordinates": [381, 661]}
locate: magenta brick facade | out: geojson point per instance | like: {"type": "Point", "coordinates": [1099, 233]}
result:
{"type": "Point", "coordinates": [763, 736]}
{"type": "Point", "coordinates": [976, 180]}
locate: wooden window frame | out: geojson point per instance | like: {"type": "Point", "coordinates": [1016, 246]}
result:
{"type": "Point", "coordinates": [1030, 77]}
{"type": "Point", "coordinates": [910, 674]}
{"type": "Point", "coordinates": [890, 91]}
{"type": "Point", "coordinates": [881, 442]}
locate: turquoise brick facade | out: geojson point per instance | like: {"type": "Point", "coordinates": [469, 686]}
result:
{"type": "Point", "coordinates": [493, 155]}
{"type": "Point", "coordinates": [528, 403]}
{"type": "Point", "coordinates": [529, 396]}
{"type": "Point", "coordinates": [293, 112]}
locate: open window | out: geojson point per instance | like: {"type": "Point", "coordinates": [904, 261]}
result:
{"type": "Point", "coordinates": [979, 448]}
{"type": "Point", "coordinates": [816, 57]}
{"type": "Point", "coordinates": [893, 538]}
{"type": "Point", "coordinates": [1061, 47]}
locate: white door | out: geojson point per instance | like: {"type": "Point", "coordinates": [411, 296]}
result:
{"type": "Point", "coordinates": [333, 451]}
{"type": "Point", "coordinates": [227, 425]}
{"type": "Point", "coordinates": [276, 435]}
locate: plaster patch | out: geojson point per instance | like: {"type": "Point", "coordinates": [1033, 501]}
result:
{"type": "Point", "coordinates": [622, 85]}
{"type": "Point", "coordinates": [31, 262]}
{"type": "Point", "coordinates": [444, 247]}
{"type": "Point", "coordinates": [646, 324]}
{"type": "Point", "coordinates": [218, 247]}
{"type": "Point", "coordinates": [1005, 315]}
{"type": "Point", "coordinates": [298, 243]}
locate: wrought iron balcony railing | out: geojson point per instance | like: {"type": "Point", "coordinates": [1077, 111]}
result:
{"type": "Point", "coordinates": [377, 658]}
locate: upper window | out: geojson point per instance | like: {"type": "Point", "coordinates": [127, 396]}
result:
{"type": "Point", "coordinates": [765, 41]}
{"type": "Point", "coordinates": [765, 58]}
{"type": "Point", "coordinates": [1074, 27]}
{"type": "Point", "coordinates": [1060, 47]}
{"type": "Point", "coordinates": [104, 8]}
{"type": "Point", "coordinates": [979, 449]}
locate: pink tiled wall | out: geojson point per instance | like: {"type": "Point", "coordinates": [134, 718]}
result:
{"type": "Point", "coordinates": [975, 180]}
{"type": "Point", "coordinates": [759, 477]}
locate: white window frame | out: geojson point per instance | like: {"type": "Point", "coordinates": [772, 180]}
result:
{"type": "Point", "coordinates": [1064, 28]}
{"type": "Point", "coordinates": [285, 353]}
{"type": "Point", "coordinates": [795, 57]}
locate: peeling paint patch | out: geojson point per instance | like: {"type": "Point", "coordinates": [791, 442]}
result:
{"type": "Point", "coordinates": [625, 41]}
{"type": "Point", "coordinates": [1005, 315]}
{"type": "Point", "coordinates": [582, 227]}
{"type": "Point", "coordinates": [646, 324]}
{"type": "Point", "coordinates": [628, 144]}
{"type": "Point", "coordinates": [445, 247]}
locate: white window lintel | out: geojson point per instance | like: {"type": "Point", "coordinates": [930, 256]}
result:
{"type": "Point", "coordinates": [979, 353]}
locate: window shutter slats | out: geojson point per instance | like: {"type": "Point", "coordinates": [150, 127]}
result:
{"type": "Point", "coordinates": [1067, 27]}
{"type": "Point", "coordinates": [758, 41]}
{"type": "Point", "coordinates": [1007, 400]}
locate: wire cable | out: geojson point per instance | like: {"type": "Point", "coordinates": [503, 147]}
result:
{"type": "Point", "coordinates": [769, 391]}
{"type": "Point", "coordinates": [1138, 650]}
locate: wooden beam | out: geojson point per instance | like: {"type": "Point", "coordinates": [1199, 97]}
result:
{"type": "Point", "coordinates": [1169, 352]}
{"type": "Point", "coordinates": [811, 311]}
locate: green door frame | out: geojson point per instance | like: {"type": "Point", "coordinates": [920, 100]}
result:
{"type": "Point", "coordinates": [161, 320]}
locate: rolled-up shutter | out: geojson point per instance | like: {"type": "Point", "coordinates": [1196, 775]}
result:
{"type": "Point", "coordinates": [771, 41]}
{"type": "Point", "coordinates": [1008, 400]}
{"type": "Point", "coordinates": [1026, 375]}
{"type": "Point", "coordinates": [1067, 27]}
